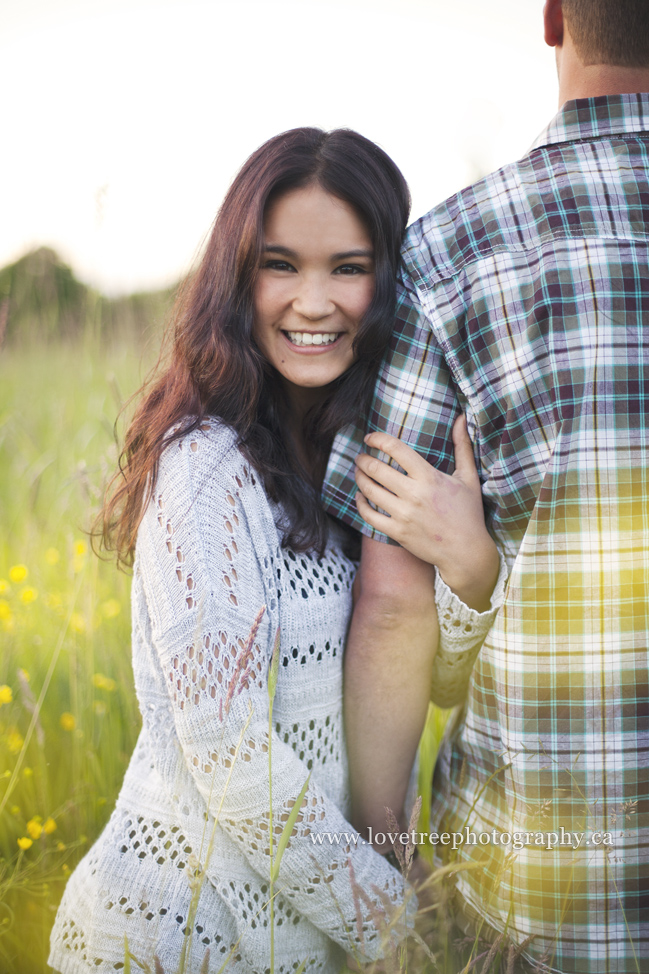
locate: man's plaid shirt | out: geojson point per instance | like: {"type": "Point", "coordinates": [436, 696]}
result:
{"type": "Point", "coordinates": [526, 304]}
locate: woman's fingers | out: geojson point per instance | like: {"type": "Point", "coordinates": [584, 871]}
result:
{"type": "Point", "coordinates": [381, 472]}
{"type": "Point", "coordinates": [415, 465]}
{"type": "Point", "coordinates": [404, 455]}
{"type": "Point", "coordinates": [374, 492]}
{"type": "Point", "coordinates": [465, 467]}
{"type": "Point", "coordinates": [374, 518]}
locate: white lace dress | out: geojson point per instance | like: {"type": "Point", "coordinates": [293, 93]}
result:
{"type": "Point", "coordinates": [183, 866]}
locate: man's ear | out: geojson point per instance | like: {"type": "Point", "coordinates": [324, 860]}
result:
{"type": "Point", "coordinates": [553, 22]}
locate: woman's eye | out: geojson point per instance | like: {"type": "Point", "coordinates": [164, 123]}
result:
{"type": "Point", "coordinates": [350, 270]}
{"type": "Point", "coordinates": [278, 265]}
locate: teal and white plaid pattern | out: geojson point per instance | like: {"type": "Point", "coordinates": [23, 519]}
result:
{"type": "Point", "coordinates": [525, 303]}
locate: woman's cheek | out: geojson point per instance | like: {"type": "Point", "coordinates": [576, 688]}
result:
{"type": "Point", "coordinates": [355, 304]}
{"type": "Point", "coordinates": [366, 295]}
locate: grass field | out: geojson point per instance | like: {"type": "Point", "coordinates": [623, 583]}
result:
{"type": "Point", "coordinates": [68, 714]}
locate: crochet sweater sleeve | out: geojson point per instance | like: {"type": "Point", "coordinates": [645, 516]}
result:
{"type": "Point", "coordinates": [462, 632]}
{"type": "Point", "coordinates": [206, 551]}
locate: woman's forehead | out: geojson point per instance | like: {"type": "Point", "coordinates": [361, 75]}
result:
{"type": "Point", "coordinates": [310, 221]}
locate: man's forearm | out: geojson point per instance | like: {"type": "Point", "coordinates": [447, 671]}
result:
{"type": "Point", "coordinates": [388, 665]}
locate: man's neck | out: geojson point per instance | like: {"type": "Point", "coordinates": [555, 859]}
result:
{"type": "Point", "coordinates": [578, 80]}
{"type": "Point", "coordinates": [603, 79]}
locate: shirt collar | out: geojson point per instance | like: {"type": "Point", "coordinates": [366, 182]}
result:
{"type": "Point", "coordinates": [592, 118]}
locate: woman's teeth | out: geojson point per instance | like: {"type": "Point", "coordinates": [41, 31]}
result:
{"type": "Point", "coordinates": [307, 338]}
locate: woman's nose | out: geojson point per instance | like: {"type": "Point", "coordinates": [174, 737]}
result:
{"type": "Point", "coordinates": [313, 300]}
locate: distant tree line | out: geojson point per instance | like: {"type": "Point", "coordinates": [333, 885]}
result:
{"type": "Point", "coordinates": [41, 299]}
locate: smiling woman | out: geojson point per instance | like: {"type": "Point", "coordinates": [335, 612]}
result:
{"type": "Point", "coordinates": [241, 766]}
{"type": "Point", "coordinates": [307, 241]}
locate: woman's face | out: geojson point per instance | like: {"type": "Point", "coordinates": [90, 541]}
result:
{"type": "Point", "coordinates": [315, 283]}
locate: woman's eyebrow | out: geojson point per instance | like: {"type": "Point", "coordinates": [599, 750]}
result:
{"type": "Point", "coordinates": [353, 253]}
{"type": "Point", "coordinates": [277, 249]}
{"type": "Point", "coordinates": [343, 255]}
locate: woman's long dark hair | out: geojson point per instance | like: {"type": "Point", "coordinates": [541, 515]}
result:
{"type": "Point", "coordinates": [215, 367]}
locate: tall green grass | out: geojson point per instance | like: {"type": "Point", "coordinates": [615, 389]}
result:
{"type": "Point", "coordinates": [69, 719]}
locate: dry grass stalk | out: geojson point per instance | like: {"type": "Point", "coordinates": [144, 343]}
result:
{"type": "Point", "coordinates": [31, 705]}
{"type": "Point", "coordinates": [243, 665]}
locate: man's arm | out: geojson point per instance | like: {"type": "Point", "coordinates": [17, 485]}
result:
{"type": "Point", "coordinates": [388, 669]}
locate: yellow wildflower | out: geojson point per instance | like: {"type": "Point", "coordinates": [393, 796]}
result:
{"type": "Point", "coordinates": [52, 556]}
{"type": "Point", "coordinates": [14, 740]}
{"type": "Point", "coordinates": [49, 826]}
{"type": "Point", "coordinates": [18, 573]}
{"type": "Point", "coordinates": [67, 721]}
{"type": "Point", "coordinates": [25, 674]}
{"type": "Point", "coordinates": [103, 682]}
{"type": "Point", "coordinates": [5, 609]}
{"type": "Point", "coordinates": [15, 810]}
{"type": "Point", "coordinates": [65, 868]}
{"type": "Point", "coordinates": [28, 772]}
{"type": "Point", "coordinates": [34, 828]}
{"type": "Point", "coordinates": [110, 608]}
{"type": "Point", "coordinates": [24, 842]}
{"type": "Point", "coordinates": [77, 622]}
{"type": "Point", "coordinates": [61, 847]}
{"type": "Point", "coordinates": [6, 696]}
{"type": "Point", "coordinates": [28, 595]}
{"type": "Point", "coordinates": [79, 560]}
{"type": "Point", "coordinates": [4, 586]}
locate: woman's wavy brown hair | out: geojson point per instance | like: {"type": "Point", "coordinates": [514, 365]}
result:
{"type": "Point", "coordinates": [214, 367]}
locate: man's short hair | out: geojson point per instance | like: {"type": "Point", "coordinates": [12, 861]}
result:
{"type": "Point", "coordinates": [610, 31]}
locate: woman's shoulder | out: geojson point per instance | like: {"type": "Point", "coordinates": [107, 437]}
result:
{"type": "Point", "coordinates": [210, 447]}
{"type": "Point", "coordinates": [205, 491]}
{"type": "Point", "coordinates": [202, 468]}
{"type": "Point", "coordinates": [210, 436]}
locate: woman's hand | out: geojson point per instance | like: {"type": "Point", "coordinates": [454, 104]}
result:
{"type": "Point", "coordinates": [436, 517]}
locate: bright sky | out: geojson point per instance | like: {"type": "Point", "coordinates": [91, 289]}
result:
{"type": "Point", "coordinates": [123, 121]}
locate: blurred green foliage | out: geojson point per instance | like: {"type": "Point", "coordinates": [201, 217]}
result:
{"type": "Point", "coordinates": [41, 299]}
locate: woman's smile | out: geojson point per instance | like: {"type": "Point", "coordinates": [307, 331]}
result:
{"type": "Point", "coordinates": [311, 340]}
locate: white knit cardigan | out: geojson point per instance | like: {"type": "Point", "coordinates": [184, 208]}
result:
{"type": "Point", "coordinates": [183, 865]}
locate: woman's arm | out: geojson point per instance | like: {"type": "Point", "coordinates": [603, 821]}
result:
{"type": "Point", "coordinates": [388, 671]}
{"type": "Point", "coordinates": [393, 663]}
{"type": "Point", "coordinates": [440, 518]}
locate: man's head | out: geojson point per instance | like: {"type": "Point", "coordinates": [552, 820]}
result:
{"type": "Point", "coordinates": [612, 32]}
{"type": "Point", "coordinates": [602, 46]}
